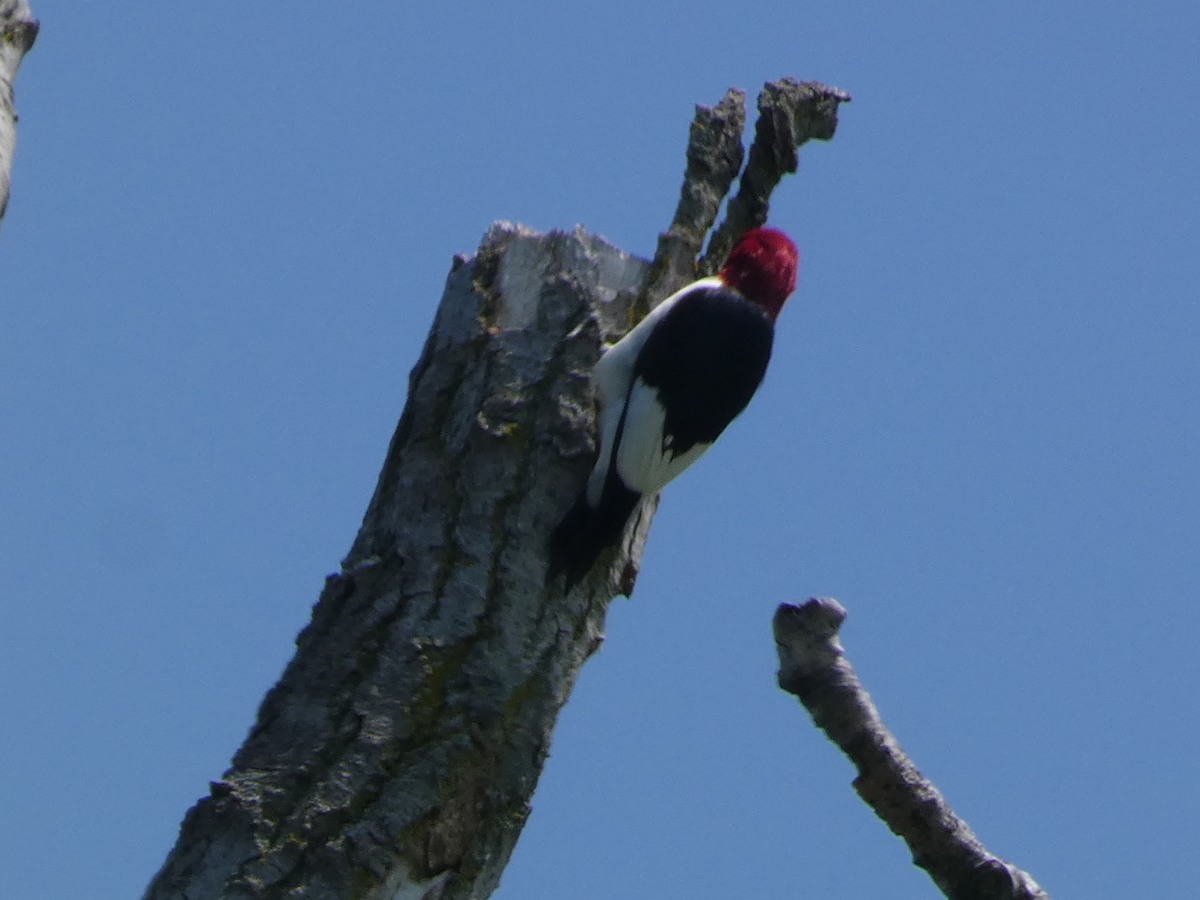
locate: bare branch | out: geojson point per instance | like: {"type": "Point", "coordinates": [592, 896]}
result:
{"type": "Point", "coordinates": [18, 31]}
{"type": "Point", "coordinates": [790, 113]}
{"type": "Point", "coordinates": [812, 666]}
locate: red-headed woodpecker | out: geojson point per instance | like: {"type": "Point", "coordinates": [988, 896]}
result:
{"type": "Point", "coordinates": [669, 387]}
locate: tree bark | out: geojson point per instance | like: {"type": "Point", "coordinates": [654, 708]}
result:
{"type": "Point", "coordinates": [18, 31]}
{"type": "Point", "coordinates": [397, 755]}
{"type": "Point", "coordinates": [813, 666]}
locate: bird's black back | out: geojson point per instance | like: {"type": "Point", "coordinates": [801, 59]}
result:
{"type": "Point", "coordinates": [706, 360]}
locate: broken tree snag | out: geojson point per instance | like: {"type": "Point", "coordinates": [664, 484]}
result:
{"type": "Point", "coordinates": [397, 755]}
{"type": "Point", "coordinates": [18, 31]}
{"type": "Point", "coordinates": [790, 113]}
{"type": "Point", "coordinates": [812, 666]}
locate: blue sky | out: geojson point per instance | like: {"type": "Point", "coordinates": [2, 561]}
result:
{"type": "Point", "coordinates": [229, 230]}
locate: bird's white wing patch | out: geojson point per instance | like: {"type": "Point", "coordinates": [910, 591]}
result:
{"type": "Point", "coordinates": [645, 460]}
{"type": "Point", "coordinates": [611, 377]}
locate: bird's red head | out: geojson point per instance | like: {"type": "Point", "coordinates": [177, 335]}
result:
{"type": "Point", "coordinates": [762, 268]}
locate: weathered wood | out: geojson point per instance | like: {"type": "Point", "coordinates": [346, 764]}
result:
{"type": "Point", "coordinates": [714, 158]}
{"type": "Point", "coordinates": [408, 733]}
{"type": "Point", "coordinates": [18, 31]}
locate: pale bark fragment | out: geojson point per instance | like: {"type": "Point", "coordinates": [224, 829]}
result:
{"type": "Point", "coordinates": [18, 31]}
{"type": "Point", "coordinates": [812, 665]}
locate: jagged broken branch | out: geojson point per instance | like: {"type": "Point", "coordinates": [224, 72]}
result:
{"type": "Point", "coordinates": [790, 113]}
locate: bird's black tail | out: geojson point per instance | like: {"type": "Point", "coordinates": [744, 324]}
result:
{"type": "Point", "coordinates": [584, 532]}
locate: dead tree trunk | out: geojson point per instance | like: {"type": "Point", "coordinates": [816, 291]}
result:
{"type": "Point", "coordinates": [18, 31]}
{"type": "Point", "coordinates": [397, 755]}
